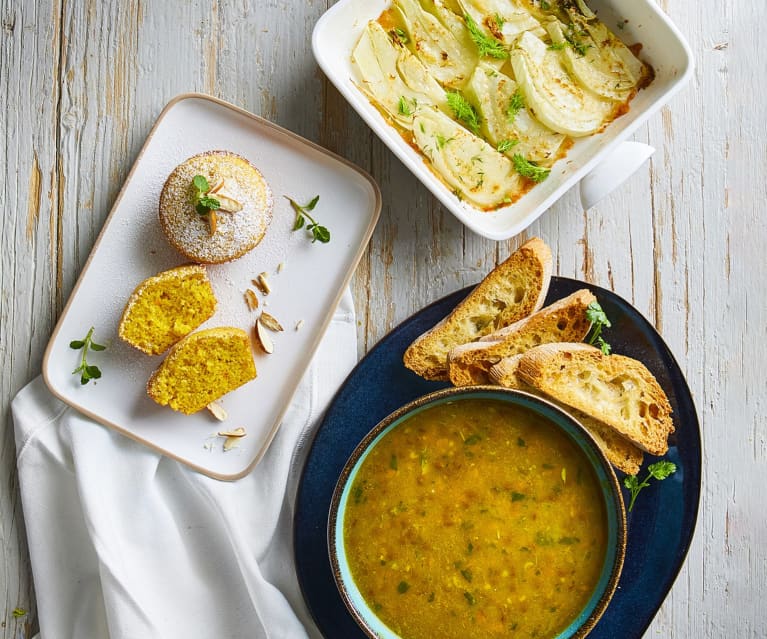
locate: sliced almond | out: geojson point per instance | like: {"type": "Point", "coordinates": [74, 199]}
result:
{"type": "Point", "coordinates": [280, 266]}
{"type": "Point", "coordinates": [263, 338]}
{"type": "Point", "coordinates": [217, 410]}
{"type": "Point", "coordinates": [231, 442]}
{"type": "Point", "coordinates": [212, 222]}
{"type": "Point", "coordinates": [270, 322]}
{"type": "Point", "coordinates": [262, 284]}
{"type": "Point", "coordinates": [299, 324]}
{"type": "Point", "coordinates": [235, 432]}
{"type": "Point", "coordinates": [223, 191]}
{"type": "Point", "coordinates": [251, 300]}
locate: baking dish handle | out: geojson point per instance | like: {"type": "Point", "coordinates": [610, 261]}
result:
{"type": "Point", "coordinates": [614, 171]}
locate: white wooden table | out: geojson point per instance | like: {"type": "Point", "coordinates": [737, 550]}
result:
{"type": "Point", "coordinates": [81, 82]}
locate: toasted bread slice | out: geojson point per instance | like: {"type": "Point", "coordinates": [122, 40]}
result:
{"type": "Point", "coordinates": [563, 321]}
{"type": "Point", "coordinates": [512, 290]}
{"type": "Point", "coordinates": [620, 452]}
{"type": "Point", "coordinates": [614, 389]}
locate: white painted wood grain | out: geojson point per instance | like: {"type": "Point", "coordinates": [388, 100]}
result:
{"type": "Point", "coordinates": [684, 239]}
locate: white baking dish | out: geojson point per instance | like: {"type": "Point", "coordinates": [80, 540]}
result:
{"type": "Point", "coordinates": [606, 160]}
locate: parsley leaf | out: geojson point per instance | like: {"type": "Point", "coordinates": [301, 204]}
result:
{"type": "Point", "coordinates": [529, 169]}
{"type": "Point", "coordinates": [319, 233]}
{"type": "Point", "coordinates": [488, 46]}
{"type": "Point", "coordinates": [463, 111]}
{"type": "Point", "coordinates": [659, 470]}
{"type": "Point", "coordinates": [599, 320]}
{"type": "Point", "coordinates": [87, 371]}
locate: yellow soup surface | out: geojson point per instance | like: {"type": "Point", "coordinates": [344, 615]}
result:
{"type": "Point", "coordinates": [475, 518]}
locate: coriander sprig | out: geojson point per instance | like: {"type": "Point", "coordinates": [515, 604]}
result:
{"type": "Point", "coordinates": [203, 204]}
{"type": "Point", "coordinates": [529, 169]}
{"type": "Point", "coordinates": [87, 371]}
{"type": "Point", "coordinates": [659, 470]}
{"type": "Point", "coordinates": [599, 320]}
{"type": "Point", "coordinates": [319, 232]}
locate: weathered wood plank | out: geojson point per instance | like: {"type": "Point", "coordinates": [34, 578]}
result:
{"type": "Point", "coordinates": [83, 81]}
{"type": "Point", "coordinates": [30, 69]}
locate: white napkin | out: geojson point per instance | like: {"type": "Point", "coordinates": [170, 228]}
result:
{"type": "Point", "coordinates": [125, 543]}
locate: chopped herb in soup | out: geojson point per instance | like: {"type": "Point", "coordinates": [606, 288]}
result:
{"type": "Point", "coordinates": [475, 518]}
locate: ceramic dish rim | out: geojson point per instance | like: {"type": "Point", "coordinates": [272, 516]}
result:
{"type": "Point", "coordinates": [376, 212]}
{"type": "Point", "coordinates": [610, 490]}
{"type": "Point", "coordinates": [393, 141]}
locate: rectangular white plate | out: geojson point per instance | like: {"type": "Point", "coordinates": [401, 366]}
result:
{"type": "Point", "coordinates": [338, 30]}
{"type": "Point", "coordinates": [132, 247]}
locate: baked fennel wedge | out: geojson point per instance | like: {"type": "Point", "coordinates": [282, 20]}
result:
{"type": "Point", "coordinates": [494, 92]}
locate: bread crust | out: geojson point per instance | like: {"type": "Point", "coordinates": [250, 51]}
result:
{"type": "Point", "coordinates": [614, 389]}
{"type": "Point", "coordinates": [563, 321]}
{"type": "Point", "coordinates": [511, 291]}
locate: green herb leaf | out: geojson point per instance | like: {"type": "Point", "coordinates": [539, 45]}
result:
{"type": "Point", "coordinates": [319, 233]}
{"type": "Point", "coordinates": [596, 315]}
{"type": "Point", "coordinates": [466, 574]}
{"type": "Point", "coordinates": [87, 371]}
{"type": "Point", "coordinates": [599, 320]}
{"type": "Point", "coordinates": [659, 470]}
{"type": "Point", "coordinates": [399, 34]}
{"type": "Point", "coordinates": [403, 107]}
{"type": "Point", "coordinates": [403, 587]}
{"type": "Point", "coordinates": [515, 496]}
{"type": "Point", "coordinates": [529, 169]}
{"type": "Point", "coordinates": [312, 203]}
{"type": "Point", "coordinates": [505, 145]}
{"type": "Point", "coordinates": [557, 46]}
{"type": "Point", "coordinates": [463, 110]}
{"type": "Point", "coordinates": [210, 203]}
{"type": "Point", "coordinates": [470, 598]}
{"type": "Point", "coordinates": [18, 612]}
{"type": "Point", "coordinates": [516, 104]}
{"type": "Point", "coordinates": [203, 204]}
{"type": "Point", "coordinates": [546, 6]}
{"type": "Point", "coordinates": [662, 469]}
{"type": "Point", "coordinates": [499, 21]}
{"type": "Point", "coordinates": [488, 46]}
{"type": "Point", "coordinates": [200, 183]}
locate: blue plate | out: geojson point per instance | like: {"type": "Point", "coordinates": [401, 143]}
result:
{"type": "Point", "coordinates": [660, 527]}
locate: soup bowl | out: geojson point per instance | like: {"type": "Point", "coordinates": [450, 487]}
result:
{"type": "Point", "coordinates": [477, 511]}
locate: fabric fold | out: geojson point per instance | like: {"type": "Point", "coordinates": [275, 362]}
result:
{"type": "Point", "coordinates": [126, 543]}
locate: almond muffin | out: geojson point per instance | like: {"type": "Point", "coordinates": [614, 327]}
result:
{"type": "Point", "coordinates": [215, 207]}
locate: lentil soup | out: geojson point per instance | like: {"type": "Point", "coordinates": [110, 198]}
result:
{"type": "Point", "coordinates": [475, 518]}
